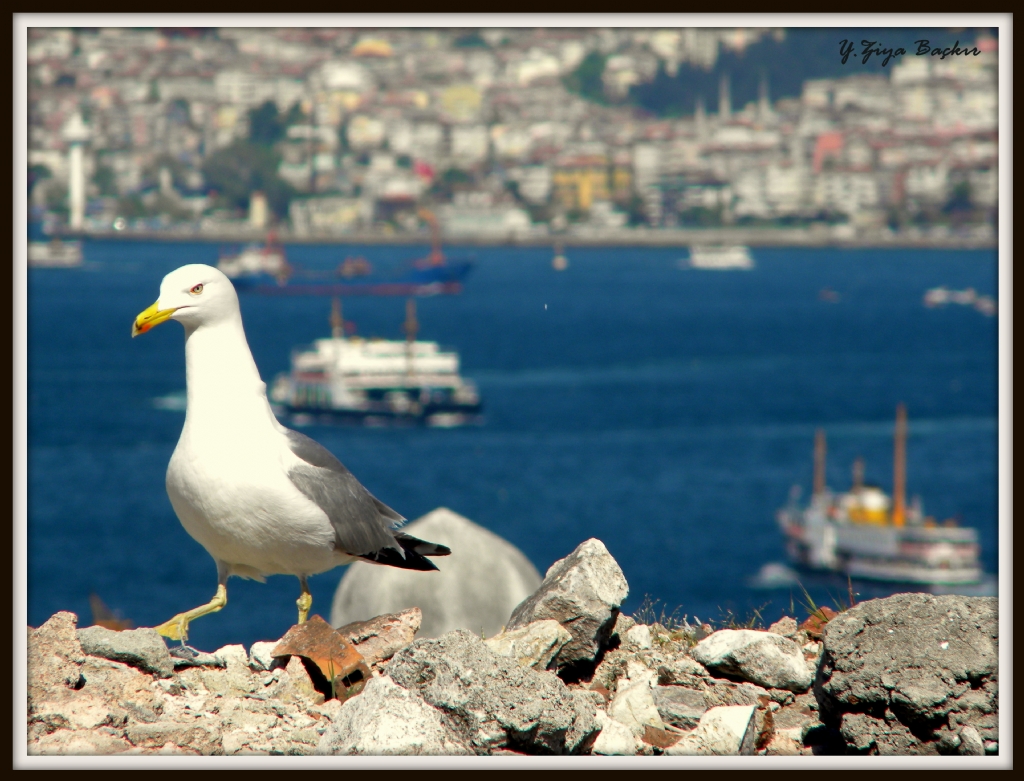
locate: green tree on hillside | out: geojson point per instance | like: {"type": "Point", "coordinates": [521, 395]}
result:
{"type": "Point", "coordinates": [586, 79]}
{"type": "Point", "coordinates": [238, 170]}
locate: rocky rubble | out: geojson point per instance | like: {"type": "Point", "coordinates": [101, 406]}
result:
{"type": "Point", "coordinates": [913, 674]}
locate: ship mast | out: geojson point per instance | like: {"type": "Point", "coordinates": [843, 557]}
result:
{"type": "Point", "coordinates": [337, 321]}
{"type": "Point", "coordinates": [410, 327]}
{"type": "Point", "coordinates": [819, 462]}
{"type": "Point", "coordinates": [858, 474]}
{"type": "Point", "coordinates": [899, 470]}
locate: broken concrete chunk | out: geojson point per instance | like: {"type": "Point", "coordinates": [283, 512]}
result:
{"type": "Point", "coordinates": [763, 658]}
{"type": "Point", "coordinates": [389, 720]}
{"type": "Point", "coordinates": [727, 730]}
{"type": "Point", "coordinates": [615, 738]}
{"type": "Point", "coordinates": [379, 638]}
{"type": "Point", "coordinates": [633, 705]}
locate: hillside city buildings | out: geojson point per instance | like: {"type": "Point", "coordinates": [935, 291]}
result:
{"type": "Point", "coordinates": [478, 127]}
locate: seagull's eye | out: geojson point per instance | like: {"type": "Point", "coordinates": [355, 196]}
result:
{"type": "Point", "coordinates": [197, 289]}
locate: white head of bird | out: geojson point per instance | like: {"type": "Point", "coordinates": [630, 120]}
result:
{"type": "Point", "coordinates": [194, 295]}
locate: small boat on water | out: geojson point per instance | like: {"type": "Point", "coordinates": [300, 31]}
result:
{"type": "Point", "coordinates": [55, 254]}
{"type": "Point", "coordinates": [265, 269]}
{"type": "Point", "coordinates": [720, 257]}
{"type": "Point", "coordinates": [940, 296]}
{"type": "Point", "coordinates": [864, 533]}
{"type": "Point", "coordinates": [376, 382]}
{"type": "Point", "coordinates": [256, 262]}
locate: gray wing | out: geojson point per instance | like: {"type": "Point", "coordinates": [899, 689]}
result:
{"type": "Point", "coordinates": [361, 521]}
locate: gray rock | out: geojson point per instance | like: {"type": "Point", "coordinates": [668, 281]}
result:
{"type": "Point", "coordinates": [535, 645]}
{"type": "Point", "coordinates": [476, 589]}
{"type": "Point", "coordinates": [261, 658]}
{"type": "Point", "coordinates": [764, 658]}
{"type": "Point", "coordinates": [490, 700]}
{"type": "Point", "coordinates": [141, 648]}
{"type": "Point", "coordinates": [683, 671]}
{"type": "Point", "coordinates": [971, 743]}
{"type": "Point", "coordinates": [795, 720]}
{"type": "Point", "coordinates": [633, 705]}
{"type": "Point", "coordinates": [679, 706]}
{"type": "Point", "coordinates": [615, 738]}
{"type": "Point", "coordinates": [638, 637]}
{"type": "Point", "coordinates": [785, 626]}
{"type": "Point", "coordinates": [386, 719]}
{"type": "Point", "coordinates": [582, 592]}
{"type": "Point", "coordinates": [907, 673]}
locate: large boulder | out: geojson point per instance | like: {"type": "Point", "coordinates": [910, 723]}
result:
{"type": "Point", "coordinates": [492, 701]}
{"type": "Point", "coordinates": [913, 674]}
{"type": "Point", "coordinates": [583, 592]}
{"type": "Point", "coordinates": [763, 658]}
{"type": "Point", "coordinates": [477, 586]}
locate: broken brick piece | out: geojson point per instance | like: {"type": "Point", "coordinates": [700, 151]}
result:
{"type": "Point", "coordinates": [342, 666]}
{"type": "Point", "coordinates": [815, 623]}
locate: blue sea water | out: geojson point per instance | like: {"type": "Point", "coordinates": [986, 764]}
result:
{"type": "Point", "coordinates": [665, 411]}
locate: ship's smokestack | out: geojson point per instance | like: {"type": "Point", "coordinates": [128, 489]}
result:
{"type": "Point", "coordinates": [819, 462]}
{"type": "Point", "coordinates": [899, 469]}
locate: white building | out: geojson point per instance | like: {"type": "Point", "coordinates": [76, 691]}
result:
{"type": "Point", "coordinates": [469, 143]}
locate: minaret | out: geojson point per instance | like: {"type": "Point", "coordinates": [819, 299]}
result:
{"type": "Point", "coordinates": [899, 469]}
{"type": "Point", "coordinates": [764, 105]}
{"type": "Point", "coordinates": [724, 104]}
{"type": "Point", "coordinates": [700, 118]}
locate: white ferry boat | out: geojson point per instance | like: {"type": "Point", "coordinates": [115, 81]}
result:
{"type": "Point", "coordinates": [256, 261]}
{"type": "Point", "coordinates": [866, 534]}
{"type": "Point", "coordinates": [377, 382]}
{"type": "Point", "coordinates": [55, 253]}
{"type": "Point", "coordinates": [721, 257]}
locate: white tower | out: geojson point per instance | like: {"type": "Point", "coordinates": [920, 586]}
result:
{"type": "Point", "coordinates": [724, 103]}
{"type": "Point", "coordinates": [76, 134]}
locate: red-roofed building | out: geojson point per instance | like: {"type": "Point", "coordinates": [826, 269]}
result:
{"type": "Point", "coordinates": [828, 145]}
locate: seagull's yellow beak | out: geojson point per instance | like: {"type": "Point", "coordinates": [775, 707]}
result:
{"type": "Point", "coordinates": [151, 317]}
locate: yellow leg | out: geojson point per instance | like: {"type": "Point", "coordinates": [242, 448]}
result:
{"type": "Point", "coordinates": [177, 627]}
{"type": "Point", "coordinates": [304, 602]}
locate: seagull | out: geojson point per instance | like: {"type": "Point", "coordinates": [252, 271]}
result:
{"type": "Point", "coordinates": [261, 498]}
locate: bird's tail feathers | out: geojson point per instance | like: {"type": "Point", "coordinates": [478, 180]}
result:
{"type": "Point", "coordinates": [412, 554]}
